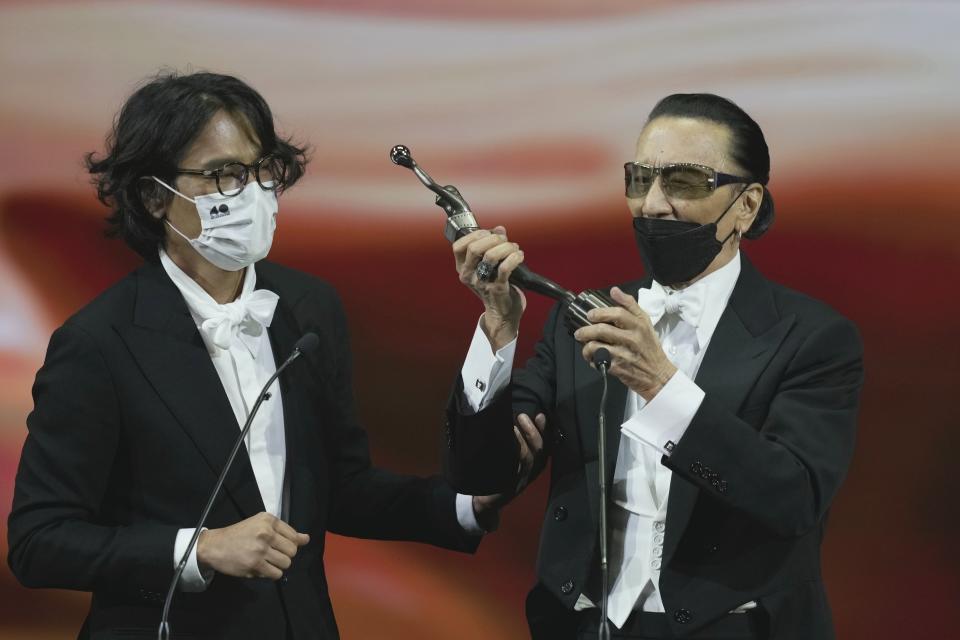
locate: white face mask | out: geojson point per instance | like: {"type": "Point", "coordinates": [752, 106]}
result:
{"type": "Point", "coordinates": [235, 231]}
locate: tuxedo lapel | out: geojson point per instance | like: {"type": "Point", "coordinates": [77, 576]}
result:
{"type": "Point", "coordinates": [749, 333]}
{"type": "Point", "coordinates": [165, 343]}
{"type": "Point", "coordinates": [284, 332]}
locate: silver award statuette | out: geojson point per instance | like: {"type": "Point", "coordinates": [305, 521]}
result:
{"type": "Point", "coordinates": [460, 222]}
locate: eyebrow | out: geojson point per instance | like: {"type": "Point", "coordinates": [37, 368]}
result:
{"type": "Point", "coordinates": [216, 163]}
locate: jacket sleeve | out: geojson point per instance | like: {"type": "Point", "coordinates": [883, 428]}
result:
{"type": "Point", "coordinates": [365, 501]}
{"type": "Point", "coordinates": [785, 474]}
{"type": "Point", "coordinates": [56, 536]}
{"type": "Point", "coordinates": [481, 454]}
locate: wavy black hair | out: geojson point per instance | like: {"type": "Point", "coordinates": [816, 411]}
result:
{"type": "Point", "coordinates": [152, 133]}
{"type": "Point", "coordinates": [749, 147]}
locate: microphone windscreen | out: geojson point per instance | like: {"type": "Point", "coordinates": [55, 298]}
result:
{"type": "Point", "coordinates": [307, 343]}
{"type": "Point", "coordinates": [601, 357]}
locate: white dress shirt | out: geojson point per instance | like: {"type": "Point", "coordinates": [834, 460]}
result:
{"type": "Point", "coordinates": [243, 367]}
{"type": "Point", "coordinates": [640, 483]}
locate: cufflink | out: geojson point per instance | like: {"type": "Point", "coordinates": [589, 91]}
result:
{"type": "Point", "coordinates": [670, 446]}
{"type": "Point", "coordinates": [480, 384]}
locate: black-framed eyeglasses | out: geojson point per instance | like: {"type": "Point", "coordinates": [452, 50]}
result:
{"type": "Point", "coordinates": [270, 172]}
{"type": "Point", "coordinates": [678, 180]}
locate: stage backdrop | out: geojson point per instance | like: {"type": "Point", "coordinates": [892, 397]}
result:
{"type": "Point", "coordinates": [530, 107]}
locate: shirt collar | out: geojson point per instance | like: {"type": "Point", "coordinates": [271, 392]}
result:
{"type": "Point", "coordinates": [715, 290]}
{"type": "Point", "coordinates": [199, 302]}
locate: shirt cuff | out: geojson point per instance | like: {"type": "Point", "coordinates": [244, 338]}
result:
{"type": "Point", "coordinates": [662, 422]}
{"type": "Point", "coordinates": [466, 517]}
{"type": "Point", "coordinates": [484, 372]}
{"type": "Point", "coordinates": [192, 579]}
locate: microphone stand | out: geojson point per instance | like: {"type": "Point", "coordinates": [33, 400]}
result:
{"type": "Point", "coordinates": [307, 343]}
{"type": "Point", "coordinates": [601, 359]}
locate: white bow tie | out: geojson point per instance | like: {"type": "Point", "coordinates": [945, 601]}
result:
{"type": "Point", "coordinates": [658, 302]}
{"type": "Point", "coordinates": [251, 313]}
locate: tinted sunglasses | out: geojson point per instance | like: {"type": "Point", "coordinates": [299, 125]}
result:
{"type": "Point", "coordinates": [679, 180]}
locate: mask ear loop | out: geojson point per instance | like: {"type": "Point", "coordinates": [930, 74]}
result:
{"type": "Point", "coordinates": [169, 224]}
{"type": "Point", "coordinates": [174, 190]}
{"type": "Point", "coordinates": [729, 206]}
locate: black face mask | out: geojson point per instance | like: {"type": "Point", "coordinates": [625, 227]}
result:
{"type": "Point", "coordinates": [674, 251]}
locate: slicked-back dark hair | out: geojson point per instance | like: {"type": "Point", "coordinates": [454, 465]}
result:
{"type": "Point", "coordinates": [748, 146]}
{"type": "Point", "coordinates": [152, 133]}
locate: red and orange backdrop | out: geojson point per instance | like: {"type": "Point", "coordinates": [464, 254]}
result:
{"type": "Point", "coordinates": [530, 107]}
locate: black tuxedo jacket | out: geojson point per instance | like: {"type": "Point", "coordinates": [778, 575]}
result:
{"type": "Point", "coordinates": [130, 429]}
{"type": "Point", "coordinates": [753, 476]}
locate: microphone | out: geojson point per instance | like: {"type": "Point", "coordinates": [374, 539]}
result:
{"type": "Point", "coordinates": [306, 344]}
{"type": "Point", "coordinates": [601, 359]}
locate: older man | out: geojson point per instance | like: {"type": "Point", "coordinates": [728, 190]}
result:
{"type": "Point", "coordinates": [734, 402]}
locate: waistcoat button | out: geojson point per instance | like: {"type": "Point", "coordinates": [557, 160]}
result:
{"type": "Point", "coordinates": [683, 616]}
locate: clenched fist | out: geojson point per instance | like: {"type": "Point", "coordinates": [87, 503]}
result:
{"type": "Point", "coordinates": [261, 546]}
{"type": "Point", "coordinates": [503, 303]}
